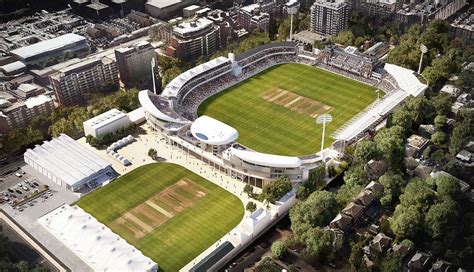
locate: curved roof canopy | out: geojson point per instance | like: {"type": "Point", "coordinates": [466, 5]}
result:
{"type": "Point", "coordinates": [212, 131]}
{"type": "Point", "coordinates": [406, 79]}
{"type": "Point", "coordinates": [266, 159]}
{"type": "Point", "coordinates": [159, 107]}
{"type": "Point", "coordinates": [173, 88]}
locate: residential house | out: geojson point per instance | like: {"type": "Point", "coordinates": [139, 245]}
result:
{"type": "Point", "coordinates": [441, 266]}
{"type": "Point", "coordinates": [374, 188]}
{"type": "Point", "coordinates": [426, 131]}
{"type": "Point", "coordinates": [375, 169]}
{"type": "Point", "coordinates": [419, 262]}
{"type": "Point", "coordinates": [415, 145]}
{"type": "Point", "coordinates": [342, 222]}
{"type": "Point", "coordinates": [378, 245]}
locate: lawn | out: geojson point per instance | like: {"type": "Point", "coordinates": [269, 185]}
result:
{"type": "Point", "coordinates": [277, 126]}
{"type": "Point", "coordinates": [186, 232]}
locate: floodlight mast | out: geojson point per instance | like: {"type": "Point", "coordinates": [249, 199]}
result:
{"type": "Point", "coordinates": [323, 119]}
{"type": "Point", "coordinates": [423, 50]}
{"type": "Point", "coordinates": [292, 9]}
{"type": "Point", "coordinates": [153, 74]}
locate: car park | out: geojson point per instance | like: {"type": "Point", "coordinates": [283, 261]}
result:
{"type": "Point", "coordinates": [22, 172]}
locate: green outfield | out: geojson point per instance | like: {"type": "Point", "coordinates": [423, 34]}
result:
{"type": "Point", "coordinates": [166, 211]}
{"type": "Point", "coordinates": [274, 111]}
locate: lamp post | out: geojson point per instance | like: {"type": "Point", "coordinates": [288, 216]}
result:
{"type": "Point", "coordinates": [423, 50]}
{"type": "Point", "coordinates": [323, 119]}
{"type": "Point", "coordinates": [153, 74]}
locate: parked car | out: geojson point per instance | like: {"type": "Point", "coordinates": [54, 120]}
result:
{"type": "Point", "coordinates": [10, 190]}
{"type": "Point", "coordinates": [25, 188]}
{"type": "Point", "coordinates": [18, 175]}
{"type": "Point", "coordinates": [22, 172]}
{"type": "Point", "coordinates": [35, 183]}
{"type": "Point", "coordinates": [18, 192]}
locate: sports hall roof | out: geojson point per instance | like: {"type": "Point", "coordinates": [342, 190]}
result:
{"type": "Point", "coordinates": [406, 79]}
{"type": "Point", "coordinates": [67, 159]}
{"type": "Point", "coordinates": [266, 159]}
{"type": "Point", "coordinates": [94, 242]}
{"type": "Point", "coordinates": [48, 45]}
{"type": "Point", "coordinates": [212, 131]}
{"type": "Point", "coordinates": [172, 89]}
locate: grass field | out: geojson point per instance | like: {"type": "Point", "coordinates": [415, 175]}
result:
{"type": "Point", "coordinates": [166, 211]}
{"type": "Point", "coordinates": [274, 111]}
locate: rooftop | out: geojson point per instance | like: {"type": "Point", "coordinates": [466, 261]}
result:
{"type": "Point", "coordinates": [212, 131]}
{"type": "Point", "coordinates": [105, 118]}
{"type": "Point", "coordinates": [37, 100]}
{"type": "Point", "coordinates": [163, 3]}
{"type": "Point", "coordinates": [93, 242]}
{"type": "Point", "coordinates": [48, 45]}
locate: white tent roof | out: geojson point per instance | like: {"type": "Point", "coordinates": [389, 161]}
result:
{"type": "Point", "coordinates": [212, 131]}
{"type": "Point", "coordinates": [67, 159]}
{"type": "Point", "coordinates": [406, 79]}
{"type": "Point", "coordinates": [172, 89]}
{"type": "Point", "coordinates": [48, 45]}
{"type": "Point", "coordinates": [266, 159]}
{"type": "Point", "coordinates": [93, 242]}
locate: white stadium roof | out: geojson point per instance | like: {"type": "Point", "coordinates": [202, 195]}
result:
{"type": "Point", "coordinates": [172, 89]}
{"type": "Point", "coordinates": [67, 159]}
{"type": "Point", "coordinates": [94, 242]}
{"type": "Point", "coordinates": [266, 159]}
{"type": "Point", "coordinates": [406, 79]}
{"type": "Point", "coordinates": [150, 107]}
{"type": "Point", "coordinates": [212, 131]}
{"type": "Point", "coordinates": [48, 45]}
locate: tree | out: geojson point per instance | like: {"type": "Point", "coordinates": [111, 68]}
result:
{"type": "Point", "coordinates": [316, 211]}
{"type": "Point", "coordinates": [440, 217]}
{"type": "Point", "coordinates": [390, 143]}
{"type": "Point", "coordinates": [152, 153]}
{"type": "Point", "coordinates": [318, 244]}
{"type": "Point", "coordinates": [248, 189]}
{"type": "Point", "coordinates": [463, 129]}
{"type": "Point", "coordinates": [447, 187]}
{"type": "Point", "coordinates": [442, 103]}
{"type": "Point", "coordinates": [303, 192]}
{"type": "Point", "coordinates": [391, 263]}
{"type": "Point", "coordinates": [251, 206]}
{"type": "Point", "coordinates": [393, 183]}
{"type": "Point", "coordinates": [406, 222]}
{"type": "Point", "coordinates": [438, 156]}
{"type": "Point", "coordinates": [365, 151]}
{"type": "Point", "coordinates": [403, 118]}
{"type": "Point", "coordinates": [440, 121]}
{"type": "Point", "coordinates": [438, 137]}
{"type": "Point", "coordinates": [279, 249]}
{"type": "Point", "coordinates": [276, 189]}
{"type": "Point", "coordinates": [344, 37]}
{"type": "Point", "coordinates": [421, 109]}
{"type": "Point", "coordinates": [346, 193]}
{"type": "Point", "coordinates": [356, 175]}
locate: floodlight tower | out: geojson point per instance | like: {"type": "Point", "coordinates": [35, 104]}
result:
{"type": "Point", "coordinates": [323, 119]}
{"type": "Point", "coordinates": [292, 7]}
{"type": "Point", "coordinates": [153, 74]}
{"type": "Point", "coordinates": [423, 50]}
